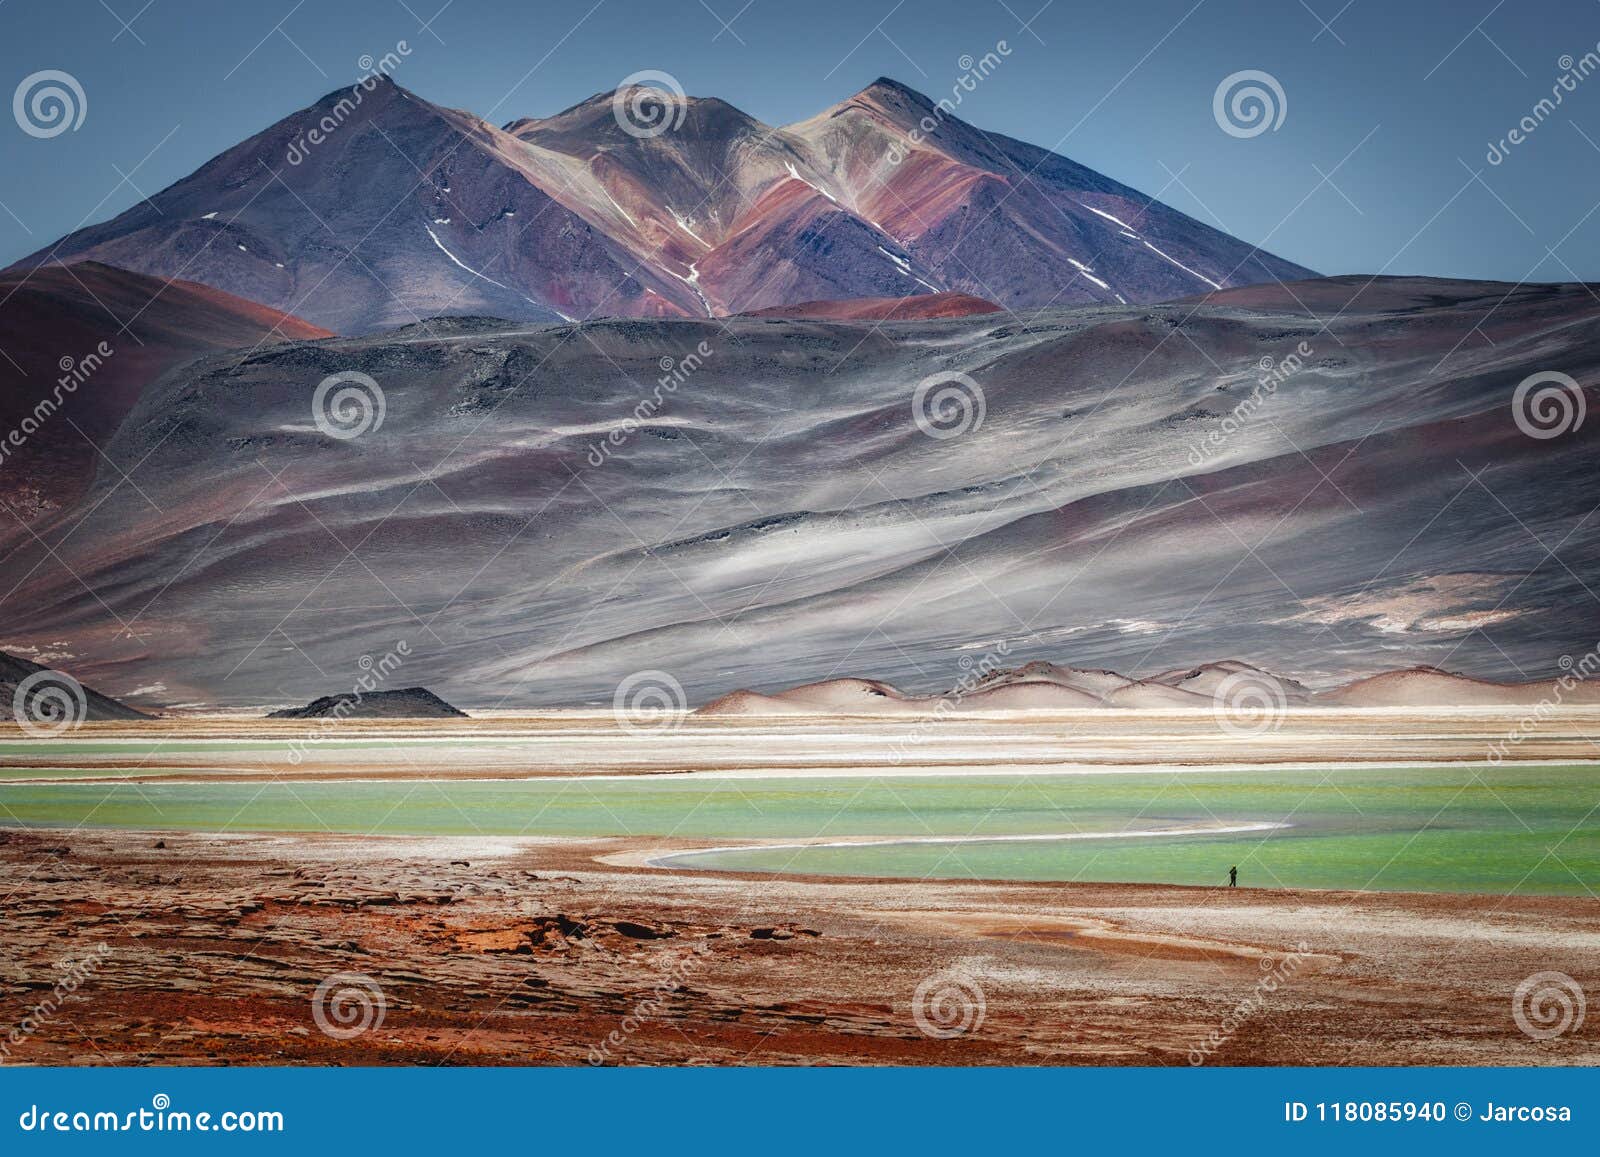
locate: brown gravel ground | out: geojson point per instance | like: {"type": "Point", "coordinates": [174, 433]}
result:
{"type": "Point", "coordinates": [204, 949]}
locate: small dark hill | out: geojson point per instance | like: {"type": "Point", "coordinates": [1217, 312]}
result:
{"type": "Point", "coordinates": [42, 703]}
{"type": "Point", "coordinates": [406, 703]}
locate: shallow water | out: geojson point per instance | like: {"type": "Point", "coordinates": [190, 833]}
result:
{"type": "Point", "coordinates": [1455, 829]}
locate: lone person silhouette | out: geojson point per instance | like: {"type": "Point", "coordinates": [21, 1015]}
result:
{"type": "Point", "coordinates": [1233, 876]}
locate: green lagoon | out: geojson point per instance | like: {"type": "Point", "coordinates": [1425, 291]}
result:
{"type": "Point", "coordinates": [1496, 830]}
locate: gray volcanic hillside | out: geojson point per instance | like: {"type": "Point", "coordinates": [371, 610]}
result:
{"type": "Point", "coordinates": [407, 210]}
{"type": "Point", "coordinates": [47, 697]}
{"type": "Point", "coordinates": [401, 703]}
{"type": "Point", "coordinates": [784, 519]}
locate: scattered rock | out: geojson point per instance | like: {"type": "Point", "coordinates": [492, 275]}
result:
{"type": "Point", "coordinates": [782, 932]}
{"type": "Point", "coordinates": [641, 931]}
{"type": "Point", "coordinates": [496, 940]}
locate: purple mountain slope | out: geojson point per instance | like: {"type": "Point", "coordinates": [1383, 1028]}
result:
{"type": "Point", "coordinates": [403, 210]}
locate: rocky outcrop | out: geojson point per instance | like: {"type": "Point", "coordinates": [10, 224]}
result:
{"type": "Point", "coordinates": [29, 691]}
{"type": "Point", "coordinates": [405, 703]}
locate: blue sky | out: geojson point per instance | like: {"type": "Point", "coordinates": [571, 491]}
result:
{"type": "Point", "coordinates": [1379, 163]}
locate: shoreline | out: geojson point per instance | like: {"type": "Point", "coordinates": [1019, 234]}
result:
{"type": "Point", "coordinates": [647, 853]}
{"type": "Point", "coordinates": [527, 951]}
{"type": "Point", "coordinates": [662, 859]}
{"type": "Point", "coordinates": [158, 777]}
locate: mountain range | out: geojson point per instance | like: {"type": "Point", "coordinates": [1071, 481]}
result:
{"type": "Point", "coordinates": [1248, 694]}
{"type": "Point", "coordinates": [874, 392]}
{"type": "Point", "coordinates": [1128, 494]}
{"type": "Point", "coordinates": [403, 210]}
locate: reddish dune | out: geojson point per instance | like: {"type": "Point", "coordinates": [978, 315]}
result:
{"type": "Point", "coordinates": [53, 321]}
{"type": "Point", "coordinates": [1431, 687]}
{"type": "Point", "coordinates": [1041, 686]}
{"type": "Point", "coordinates": [922, 307]}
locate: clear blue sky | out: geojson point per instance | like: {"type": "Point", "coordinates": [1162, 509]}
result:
{"type": "Point", "coordinates": [1396, 100]}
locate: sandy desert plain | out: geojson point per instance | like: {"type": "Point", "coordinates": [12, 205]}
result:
{"type": "Point", "coordinates": [1026, 889]}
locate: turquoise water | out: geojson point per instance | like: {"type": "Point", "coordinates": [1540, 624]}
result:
{"type": "Point", "coordinates": [1486, 830]}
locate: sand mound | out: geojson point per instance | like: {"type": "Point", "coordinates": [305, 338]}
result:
{"type": "Point", "coordinates": [1431, 687]}
{"type": "Point", "coordinates": [1027, 696]}
{"type": "Point", "coordinates": [1043, 686]}
{"type": "Point", "coordinates": [750, 703]}
{"type": "Point", "coordinates": [1090, 682]}
{"type": "Point", "coordinates": [1151, 695]}
{"type": "Point", "coordinates": [1211, 679]}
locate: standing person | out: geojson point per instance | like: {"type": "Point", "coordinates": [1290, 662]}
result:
{"type": "Point", "coordinates": [1233, 876]}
